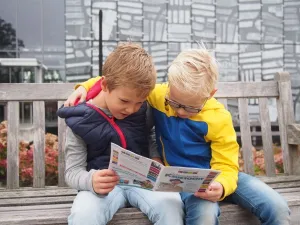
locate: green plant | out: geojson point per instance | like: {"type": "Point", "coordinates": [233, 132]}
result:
{"type": "Point", "coordinates": [26, 150]}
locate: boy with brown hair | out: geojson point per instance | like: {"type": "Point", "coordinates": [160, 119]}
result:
{"type": "Point", "coordinates": [194, 130]}
{"type": "Point", "coordinates": [115, 111]}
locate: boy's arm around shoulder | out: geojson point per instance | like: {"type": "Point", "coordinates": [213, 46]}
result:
{"type": "Point", "coordinates": [224, 149]}
{"type": "Point", "coordinates": [89, 83]}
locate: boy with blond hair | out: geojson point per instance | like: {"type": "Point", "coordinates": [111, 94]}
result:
{"type": "Point", "coordinates": [115, 111]}
{"type": "Point", "coordinates": [194, 130]}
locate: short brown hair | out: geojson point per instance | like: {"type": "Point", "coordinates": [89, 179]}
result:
{"type": "Point", "coordinates": [131, 66]}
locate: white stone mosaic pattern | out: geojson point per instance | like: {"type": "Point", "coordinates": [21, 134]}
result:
{"type": "Point", "coordinates": [227, 56]}
{"type": "Point", "coordinates": [78, 60]}
{"type": "Point", "coordinates": [272, 60]}
{"type": "Point", "coordinates": [250, 62]}
{"type": "Point", "coordinates": [291, 21]}
{"type": "Point", "coordinates": [292, 65]}
{"type": "Point", "coordinates": [78, 19]}
{"type": "Point", "coordinates": [227, 21]}
{"type": "Point", "coordinates": [155, 21]}
{"type": "Point", "coordinates": [108, 47]}
{"type": "Point", "coordinates": [174, 48]}
{"type": "Point", "coordinates": [249, 21]}
{"type": "Point", "coordinates": [130, 20]}
{"type": "Point", "coordinates": [160, 58]}
{"type": "Point", "coordinates": [179, 20]}
{"type": "Point", "coordinates": [272, 21]}
{"type": "Point", "coordinates": [204, 20]}
{"type": "Point", "coordinates": [109, 19]}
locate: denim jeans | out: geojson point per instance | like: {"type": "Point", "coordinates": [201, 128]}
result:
{"type": "Point", "coordinates": [254, 195]}
{"type": "Point", "coordinates": [162, 208]}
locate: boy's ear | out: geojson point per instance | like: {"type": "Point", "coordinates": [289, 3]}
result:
{"type": "Point", "coordinates": [213, 93]}
{"type": "Point", "coordinates": [104, 84]}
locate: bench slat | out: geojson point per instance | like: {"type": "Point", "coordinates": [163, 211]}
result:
{"type": "Point", "coordinates": [61, 91]}
{"type": "Point", "coordinates": [41, 214]}
{"type": "Point", "coordinates": [266, 136]}
{"type": "Point", "coordinates": [283, 138]}
{"type": "Point", "coordinates": [37, 201]}
{"type": "Point", "coordinates": [34, 207]}
{"type": "Point", "coordinates": [286, 117]}
{"type": "Point", "coordinates": [24, 193]}
{"type": "Point", "coordinates": [61, 149]}
{"type": "Point", "coordinates": [39, 144]}
{"type": "Point", "coordinates": [36, 217]}
{"type": "Point", "coordinates": [13, 145]}
{"type": "Point", "coordinates": [285, 185]}
{"type": "Point", "coordinates": [293, 133]}
{"type": "Point", "coordinates": [246, 135]}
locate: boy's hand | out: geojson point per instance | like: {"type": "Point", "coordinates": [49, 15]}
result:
{"type": "Point", "coordinates": [79, 93]}
{"type": "Point", "coordinates": [104, 181]}
{"type": "Point", "coordinates": [213, 193]}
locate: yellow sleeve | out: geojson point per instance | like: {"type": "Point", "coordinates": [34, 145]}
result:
{"type": "Point", "coordinates": [89, 83]}
{"type": "Point", "coordinates": [225, 151]}
{"type": "Point", "coordinates": [156, 94]}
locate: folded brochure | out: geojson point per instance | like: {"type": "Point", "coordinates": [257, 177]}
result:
{"type": "Point", "coordinates": [136, 170]}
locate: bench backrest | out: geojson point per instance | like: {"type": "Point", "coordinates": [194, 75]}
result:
{"type": "Point", "coordinates": [243, 91]}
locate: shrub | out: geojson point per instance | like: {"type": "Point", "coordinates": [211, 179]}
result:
{"type": "Point", "coordinates": [26, 158]}
{"type": "Point", "coordinates": [259, 161]}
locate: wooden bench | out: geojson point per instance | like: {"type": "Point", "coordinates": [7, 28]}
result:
{"type": "Point", "coordinates": [51, 205]}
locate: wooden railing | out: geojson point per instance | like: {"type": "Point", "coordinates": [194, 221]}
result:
{"type": "Point", "coordinates": [280, 89]}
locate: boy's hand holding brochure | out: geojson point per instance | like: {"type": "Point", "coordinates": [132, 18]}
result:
{"type": "Point", "coordinates": [138, 171]}
{"type": "Point", "coordinates": [213, 193]}
{"type": "Point", "coordinates": [104, 181]}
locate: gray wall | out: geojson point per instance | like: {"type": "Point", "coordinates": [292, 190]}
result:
{"type": "Point", "coordinates": [252, 39]}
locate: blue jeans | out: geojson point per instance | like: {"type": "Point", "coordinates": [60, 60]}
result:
{"type": "Point", "coordinates": [252, 194]}
{"type": "Point", "coordinates": [162, 208]}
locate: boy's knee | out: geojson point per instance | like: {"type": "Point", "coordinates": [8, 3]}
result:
{"type": "Point", "coordinates": [203, 213]}
{"type": "Point", "coordinates": [274, 211]}
{"type": "Point", "coordinates": [164, 209]}
{"type": "Point", "coordinates": [87, 210]}
{"type": "Point", "coordinates": [84, 216]}
{"type": "Point", "coordinates": [200, 211]}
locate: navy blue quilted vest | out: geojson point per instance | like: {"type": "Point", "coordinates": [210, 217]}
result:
{"type": "Point", "coordinates": [98, 131]}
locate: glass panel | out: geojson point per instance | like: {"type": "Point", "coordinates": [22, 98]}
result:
{"type": "Point", "coordinates": [10, 75]}
{"type": "Point", "coordinates": [28, 75]}
{"type": "Point", "coordinates": [54, 76]}
{"type": "Point", "coordinates": [8, 21]}
{"type": "Point", "coordinates": [15, 75]}
{"type": "Point", "coordinates": [50, 112]}
{"type": "Point", "coordinates": [53, 26]}
{"type": "Point", "coordinates": [55, 63]}
{"type": "Point", "coordinates": [54, 60]}
{"type": "Point", "coordinates": [36, 55]}
{"type": "Point", "coordinates": [78, 21]}
{"type": "Point", "coordinates": [29, 27]}
{"type": "Point", "coordinates": [26, 112]}
{"type": "Point", "coordinates": [4, 74]}
{"type": "Point", "coordinates": [8, 53]}
{"type": "Point", "coordinates": [2, 113]}
{"type": "Point", "coordinates": [78, 61]}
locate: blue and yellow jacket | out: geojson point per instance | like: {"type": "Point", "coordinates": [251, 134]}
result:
{"type": "Point", "coordinates": [207, 140]}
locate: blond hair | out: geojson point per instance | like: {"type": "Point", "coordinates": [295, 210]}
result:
{"type": "Point", "coordinates": [194, 71]}
{"type": "Point", "coordinates": [131, 66]}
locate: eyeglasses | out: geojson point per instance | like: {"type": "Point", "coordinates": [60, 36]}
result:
{"type": "Point", "coordinates": [188, 109]}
